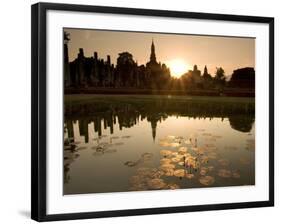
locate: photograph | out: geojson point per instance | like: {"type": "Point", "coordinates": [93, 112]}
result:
{"type": "Point", "coordinates": [148, 111]}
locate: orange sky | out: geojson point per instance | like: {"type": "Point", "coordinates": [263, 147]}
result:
{"type": "Point", "coordinates": [227, 52]}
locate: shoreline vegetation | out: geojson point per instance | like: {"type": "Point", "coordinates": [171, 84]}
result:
{"type": "Point", "coordinates": [88, 98]}
{"type": "Point", "coordinates": [227, 92]}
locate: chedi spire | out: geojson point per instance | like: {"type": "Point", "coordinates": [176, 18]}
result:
{"type": "Point", "coordinates": [152, 53]}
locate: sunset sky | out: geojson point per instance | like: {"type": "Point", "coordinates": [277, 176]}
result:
{"type": "Point", "coordinates": [177, 51]}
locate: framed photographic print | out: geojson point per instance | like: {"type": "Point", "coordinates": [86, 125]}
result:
{"type": "Point", "coordinates": [139, 111]}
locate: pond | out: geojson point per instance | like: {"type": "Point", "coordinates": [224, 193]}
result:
{"type": "Point", "coordinates": [139, 143]}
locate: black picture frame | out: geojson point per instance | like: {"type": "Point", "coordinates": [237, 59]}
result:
{"type": "Point", "coordinates": [39, 122]}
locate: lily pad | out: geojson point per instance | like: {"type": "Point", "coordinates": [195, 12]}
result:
{"type": "Point", "coordinates": [176, 159]}
{"type": "Point", "coordinates": [156, 184]}
{"type": "Point", "coordinates": [207, 180]}
{"type": "Point", "coordinates": [182, 150]}
{"type": "Point", "coordinates": [98, 153]}
{"type": "Point", "coordinates": [144, 171]}
{"type": "Point", "coordinates": [130, 163]}
{"type": "Point", "coordinates": [189, 175]}
{"type": "Point", "coordinates": [181, 163]}
{"type": "Point", "coordinates": [164, 144]}
{"type": "Point", "coordinates": [223, 162]}
{"type": "Point", "coordinates": [165, 152]}
{"type": "Point", "coordinates": [244, 161]}
{"type": "Point", "coordinates": [173, 186]}
{"type": "Point", "coordinates": [179, 156]}
{"type": "Point", "coordinates": [224, 173]}
{"type": "Point", "coordinates": [204, 159]}
{"type": "Point", "coordinates": [195, 149]}
{"type": "Point", "coordinates": [188, 142]}
{"type": "Point", "coordinates": [165, 160]}
{"type": "Point", "coordinates": [169, 172]}
{"type": "Point", "coordinates": [135, 180]}
{"type": "Point", "coordinates": [201, 151]}
{"type": "Point", "coordinates": [179, 173]}
{"type": "Point", "coordinates": [192, 162]}
{"type": "Point", "coordinates": [156, 173]}
{"type": "Point", "coordinates": [210, 168]}
{"type": "Point", "coordinates": [175, 144]}
{"type": "Point", "coordinates": [236, 174]}
{"type": "Point", "coordinates": [167, 166]}
{"type": "Point", "coordinates": [212, 155]}
{"type": "Point", "coordinates": [147, 156]}
{"type": "Point", "coordinates": [203, 171]}
{"type": "Point", "coordinates": [98, 148]}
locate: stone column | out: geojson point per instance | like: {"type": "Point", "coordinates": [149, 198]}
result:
{"type": "Point", "coordinates": [81, 71]}
{"type": "Point", "coordinates": [66, 70]}
{"type": "Point", "coordinates": [96, 71]}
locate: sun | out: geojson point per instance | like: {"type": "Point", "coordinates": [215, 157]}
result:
{"type": "Point", "coordinates": [178, 67]}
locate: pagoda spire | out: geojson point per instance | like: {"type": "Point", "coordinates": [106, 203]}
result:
{"type": "Point", "coordinates": [152, 54]}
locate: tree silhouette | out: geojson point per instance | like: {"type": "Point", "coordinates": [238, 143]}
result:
{"type": "Point", "coordinates": [206, 75]}
{"type": "Point", "coordinates": [207, 79]}
{"type": "Point", "coordinates": [219, 77]}
{"type": "Point", "coordinates": [125, 68]}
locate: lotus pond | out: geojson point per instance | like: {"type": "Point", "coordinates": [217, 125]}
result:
{"type": "Point", "coordinates": [139, 143]}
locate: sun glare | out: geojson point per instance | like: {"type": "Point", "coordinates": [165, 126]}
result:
{"type": "Point", "coordinates": [178, 67]}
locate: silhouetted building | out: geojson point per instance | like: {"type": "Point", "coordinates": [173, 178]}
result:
{"type": "Point", "coordinates": [243, 78]}
{"type": "Point", "coordinates": [66, 68]}
{"type": "Point", "coordinates": [92, 71]}
{"type": "Point", "coordinates": [158, 74]}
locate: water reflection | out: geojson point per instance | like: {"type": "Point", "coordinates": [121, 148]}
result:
{"type": "Point", "coordinates": [128, 145]}
{"type": "Point", "coordinates": [240, 115]}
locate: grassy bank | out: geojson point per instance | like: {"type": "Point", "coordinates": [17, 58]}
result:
{"type": "Point", "coordinates": [234, 92]}
{"type": "Point", "coordinates": [88, 98]}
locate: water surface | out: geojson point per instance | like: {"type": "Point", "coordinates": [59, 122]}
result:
{"type": "Point", "coordinates": [131, 143]}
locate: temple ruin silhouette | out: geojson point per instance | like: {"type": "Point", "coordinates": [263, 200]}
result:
{"type": "Point", "coordinates": [96, 74]}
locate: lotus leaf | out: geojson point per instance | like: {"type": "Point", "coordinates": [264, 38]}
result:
{"type": "Point", "coordinates": [207, 180]}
